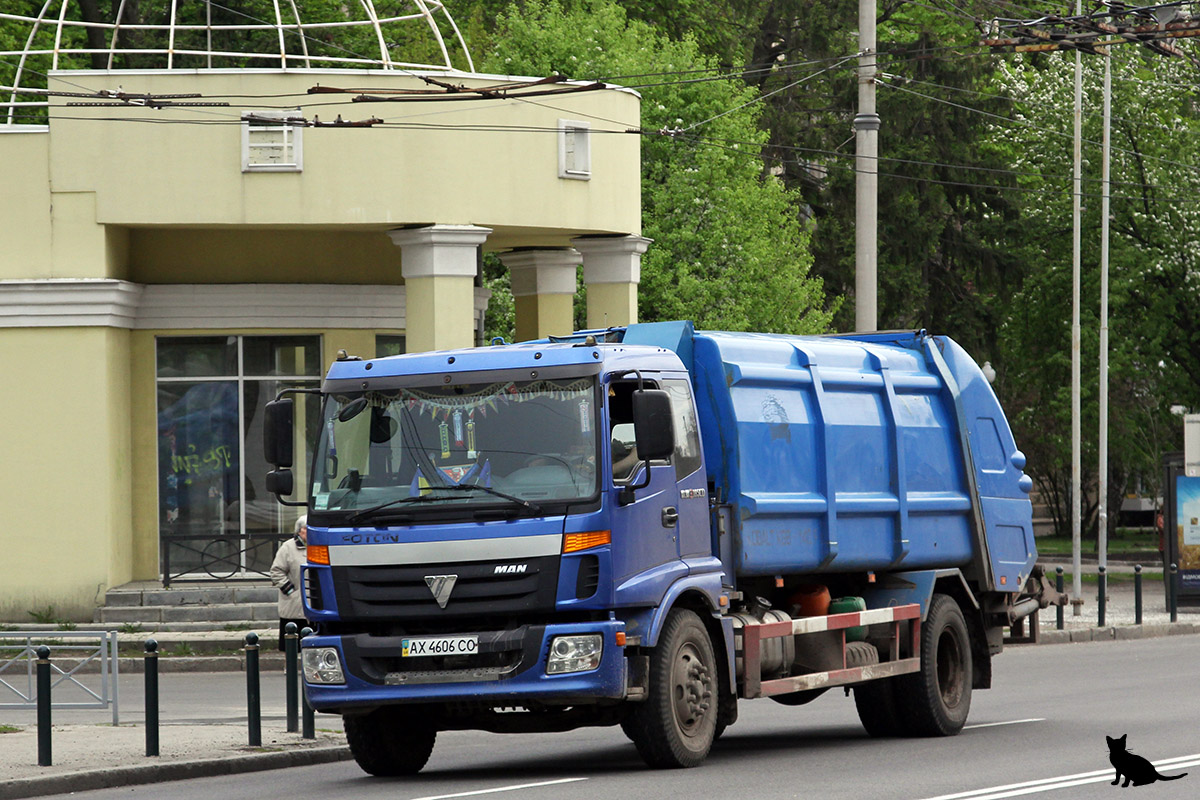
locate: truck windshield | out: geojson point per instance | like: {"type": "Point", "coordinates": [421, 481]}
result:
{"type": "Point", "coordinates": [524, 445]}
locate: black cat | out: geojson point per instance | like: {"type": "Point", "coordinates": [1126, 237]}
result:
{"type": "Point", "coordinates": [1134, 768]}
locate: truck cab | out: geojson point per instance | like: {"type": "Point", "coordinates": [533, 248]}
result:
{"type": "Point", "coordinates": [501, 525]}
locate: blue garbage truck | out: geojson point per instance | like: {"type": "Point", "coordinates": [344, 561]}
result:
{"type": "Point", "coordinates": [643, 526]}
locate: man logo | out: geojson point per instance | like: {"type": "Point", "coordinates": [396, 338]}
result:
{"type": "Point", "coordinates": [510, 569]}
{"type": "Point", "coordinates": [441, 586]}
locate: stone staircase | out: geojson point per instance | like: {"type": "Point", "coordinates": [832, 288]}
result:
{"type": "Point", "coordinates": [199, 627]}
{"type": "Point", "coordinates": [224, 605]}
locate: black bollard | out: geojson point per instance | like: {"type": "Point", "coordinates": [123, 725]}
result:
{"type": "Point", "coordinates": [291, 652]}
{"type": "Point", "coordinates": [309, 726]}
{"type": "Point", "coordinates": [253, 702]}
{"type": "Point", "coordinates": [1058, 584]}
{"type": "Point", "coordinates": [1102, 579]}
{"type": "Point", "coordinates": [1171, 594]}
{"type": "Point", "coordinates": [1137, 594]}
{"type": "Point", "coordinates": [151, 685]}
{"type": "Point", "coordinates": [43, 707]}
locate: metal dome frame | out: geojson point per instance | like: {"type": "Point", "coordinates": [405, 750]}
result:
{"type": "Point", "coordinates": [45, 20]}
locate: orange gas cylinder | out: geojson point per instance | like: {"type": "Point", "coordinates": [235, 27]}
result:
{"type": "Point", "coordinates": [809, 600]}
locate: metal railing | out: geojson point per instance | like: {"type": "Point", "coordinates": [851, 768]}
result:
{"type": "Point", "coordinates": [18, 657]}
{"type": "Point", "coordinates": [219, 557]}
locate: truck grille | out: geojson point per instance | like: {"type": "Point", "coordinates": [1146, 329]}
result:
{"type": "Point", "coordinates": [501, 654]}
{"type": "Point", "coordinates": [480, 588]}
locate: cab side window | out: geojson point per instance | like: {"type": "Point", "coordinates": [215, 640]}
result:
{"type": "Point", "coordinates": [620, 417]}
{"type": "Point", "coordinates": [687, 456]}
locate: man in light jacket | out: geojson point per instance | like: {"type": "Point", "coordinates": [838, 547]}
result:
{"type": "Point", "coordinates": [285, 575]}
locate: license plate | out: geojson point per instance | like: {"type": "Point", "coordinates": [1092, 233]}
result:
{"type": "Point", "coordinates": [439, 646]}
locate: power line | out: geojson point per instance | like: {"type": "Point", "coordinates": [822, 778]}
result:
{"type": "Point", "coordinates": [734, 146]}
{"type": "Point", "coordinates": [1061, 134]}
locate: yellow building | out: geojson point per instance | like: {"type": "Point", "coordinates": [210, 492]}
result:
{"type": "Point", "coordinates": [168, 267]}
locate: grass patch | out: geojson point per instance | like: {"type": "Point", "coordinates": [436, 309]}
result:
{"type": "Point", "coordinates": [182, 649]}
{"type": "Point", "coordinates": [47, 616]}
{"type": "Point", "coordinates": [1127, 578]}
{"type": "Point", "coordinates": [1133, 542]}
{"type": "Point", "coordinates": [131, 627]}
{"type": "Point", "coordinates": [9, 729]}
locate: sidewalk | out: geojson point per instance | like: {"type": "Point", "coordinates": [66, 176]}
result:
{"type": "Point", "coordinates": [100, 756]}
{"type": "Point", "coordinates": [203, 732]}
{"type": "Point", "coordinates": [1120, 607]}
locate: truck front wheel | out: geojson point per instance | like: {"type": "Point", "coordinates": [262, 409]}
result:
{"type": "Point", "coordinates": [676, 725]}
{"type": "Point", "coordinates": [387, 742]}
{"type": "Point", "coordinates": [936, 700]}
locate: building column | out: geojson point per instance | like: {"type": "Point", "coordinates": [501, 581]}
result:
{"type": "Point", "coordinates": [612, 269]}
{"type": "Point", "coordinates": [439, 263]}
{"type": "Point", "coordinates": [543, 287]}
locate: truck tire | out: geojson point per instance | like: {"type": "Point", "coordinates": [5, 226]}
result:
{"type": "Point", "coordinates": [936, 700]}
{"type": "Point", "coordinates": [386, 743]}
{"type": "Point", "coordinates": [676, 725]}
{"type": "Point", "coordinates": [727, 709]}
{"type": "Point", "coordinates": [877, 709]}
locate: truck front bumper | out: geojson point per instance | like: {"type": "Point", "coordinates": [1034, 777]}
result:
{"type": "Point", "coordinates": [375, 671]}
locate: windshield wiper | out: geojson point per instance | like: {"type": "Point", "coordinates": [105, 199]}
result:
{"type": "Point", "coordinates": [358, 515]}
{"type": "Point", "coordinates": [469, 487]}
{"type": "Point", "coordinates": [428, 498]}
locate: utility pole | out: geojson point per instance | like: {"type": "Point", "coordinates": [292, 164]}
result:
{"type": "Point", "coordinates": [866, 177]}
{"type": "Point", "coordinates": [1105, 146]}
{"type": "Point", "coordinates": [1076, 438]}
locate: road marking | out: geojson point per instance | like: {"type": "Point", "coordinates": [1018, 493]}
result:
{"type": "Point", "coordinates": [1061, 782]}
{"type": "Point", "coordinates": [1009, 722]}
{"type": "Point", "coordinates": [501, 789]}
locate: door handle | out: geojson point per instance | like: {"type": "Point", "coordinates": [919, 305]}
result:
{"type": "Point", "coordinates": [670, 517]}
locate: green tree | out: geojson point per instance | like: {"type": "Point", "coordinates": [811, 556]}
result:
{"type": "Point", "coordinates": [1154, 343]}
{"type": "Point", "coordinates": [730, 249]}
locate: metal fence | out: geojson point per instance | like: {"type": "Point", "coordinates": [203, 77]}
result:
{"type": "Point", "coordinates": [76, 652]}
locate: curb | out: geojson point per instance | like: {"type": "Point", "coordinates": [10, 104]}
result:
{"type": "Point", "coordinates": [142, 774]}
{"type": "Point", "coordinates": [1150, 630]}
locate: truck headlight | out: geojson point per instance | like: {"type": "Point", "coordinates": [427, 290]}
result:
{"type": "Point", "coordinates": [322, 665]}
{"type": "Point", "coordinates": [574, 653]}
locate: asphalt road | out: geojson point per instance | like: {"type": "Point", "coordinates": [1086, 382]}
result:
{"type": "Point", "coordinates": [1039, 732]}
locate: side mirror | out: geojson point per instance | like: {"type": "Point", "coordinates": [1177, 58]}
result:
{"type": "Point", "coordinates": [654, 433]}
{"type": "Point", "coordinates": [277, 433]}
{"type": "Point", "coordinates": [280, 483]}
{"type": "Point", "coordinates": [352, 409]}
{"type": "Point", "coordinates": [653, 424]}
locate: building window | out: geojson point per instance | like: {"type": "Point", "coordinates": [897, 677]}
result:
{"type": "Point", "coordinates": [215, 516]}
{"type": "Point", "coordinates": [389, 345]}
{"type": "Point", "coordinates": [271, 142]}
{"type": "Point", "coordinates": [574, 150]}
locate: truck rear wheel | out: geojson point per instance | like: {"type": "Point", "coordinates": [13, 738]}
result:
{"type": "Point", "coordinates": [676, 725]}
{"type": "Point", "coordinates": [876, 705]}
{"type": "Point", "coordinates": [936, 700]}
{"type": "Point", "coordinates": [387, 743]}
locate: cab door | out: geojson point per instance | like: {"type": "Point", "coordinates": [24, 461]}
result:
{"type": "Point", "coordinates": [694, 529]}
{"type": "Point", "coordinates": [646, 530]}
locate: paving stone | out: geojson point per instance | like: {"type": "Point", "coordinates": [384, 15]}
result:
{"type": "Point", "coordinates": [131, 614]}
{"type": "Point", "coordinates": [1054, 637]}
{"type": "Point", "coordinates": [1130, 632]}
{"type": "Point", "coordinates": [189, 597]}
{"type": "Point", "coordinates": [215, 613]}
{"type": "Point", "coordinates": [112, 598]}
{"type": "Point", "coordinates": [255, 594]}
